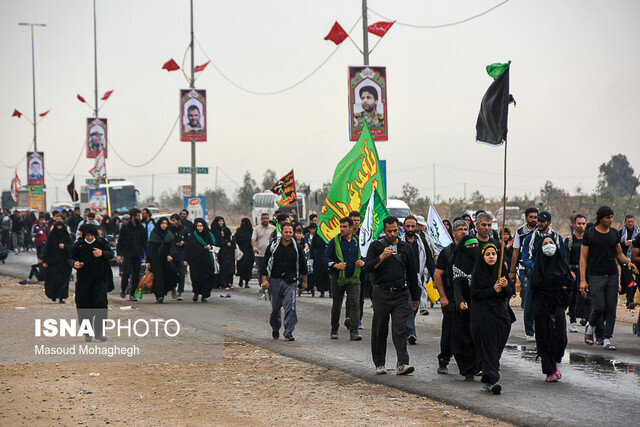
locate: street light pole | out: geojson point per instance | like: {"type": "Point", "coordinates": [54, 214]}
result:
{"type": "Point", "coordinates": [33, 76]}
{"type": "Point", "coordinates": [365, 33]}
{"type": "Point", "coordinates": [95, 62]}
{"type": "Point", "coordinates": [192, 86]}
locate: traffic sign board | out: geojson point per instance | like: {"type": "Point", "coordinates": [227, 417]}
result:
{"type": "Point", "coordinates": [187, 169]}
{"type": "Point", "coordinates": [90, 181]}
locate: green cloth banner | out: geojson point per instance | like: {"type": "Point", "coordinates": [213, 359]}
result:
{"type": "Point", "coordinates": [357, 174]}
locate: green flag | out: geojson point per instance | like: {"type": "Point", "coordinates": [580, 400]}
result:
{"type": "Point", "coordinates": [357, 174]}
{"type": "Point", "coordinates": [371, 226]}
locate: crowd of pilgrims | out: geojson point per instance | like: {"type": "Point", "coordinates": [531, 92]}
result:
{"type": "Point", "coordinates": [475, 275]}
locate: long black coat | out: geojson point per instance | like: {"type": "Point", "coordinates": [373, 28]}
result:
{"type": "Point", "coordinates": [226, 256]}
{"type": "Point", "coordinates": [165, 276]}
{"type": "Point", "coordinates": [320, 276]}
{"type": "Point", "coordinates": [201, 266]}
{"type": "Point", "coordinates": [93, 277]}
{"type": "Point", "coordinates": [59, 262]}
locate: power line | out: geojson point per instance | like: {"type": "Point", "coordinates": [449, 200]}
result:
{"type": "Point", "coordinates": [275, 92]}
{"type": "Point", "coordinates": [152, 157]}
{"type": "Point", "coordinates": [450, 24]}
{"type": "Point", "coordinates": [72, 168]}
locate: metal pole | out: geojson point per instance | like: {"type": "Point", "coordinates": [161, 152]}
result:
{"type": "Point", "coordinates": [365, 33]}
{"type": "Point", "coordinates": [504, 211]}
{"type": "Point", "coordinates": [192, 85]}
{"type": "Point", "coordinates": [33, 74]}
{"type": "Point", "coordinates": [95, 61]}
{"type": "Point", "coordinates": [215, 190]}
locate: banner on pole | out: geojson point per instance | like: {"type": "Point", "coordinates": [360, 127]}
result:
{"type": "Point", "coordinates": [195, 206]}
{"type": "Point", "coordinates": [356, 176]}
{"type": "Point", "coordinates": [16, 185]}
{"type": "Point", "coordinates": [98, 199]}
{"type": "Point", "coordinates": [368, 102]}
{"type": "Point", "coordinates": [438, 234]}
{"type": "Point", "coordinates": [285, 187]}
{"type": "Point", "coordinates": [96, 137]}
{"type": "Point", "coordinates": [35, 168]}
{"type": "Point", "coordinates": [193, 115]}
{"type": "Point", "coordinates": [371, 226]}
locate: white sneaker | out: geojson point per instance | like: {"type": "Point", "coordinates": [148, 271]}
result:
{"type": "Point", "coordinates": [573, 327]}
{"type": "Point", "coordinates": [530, 338]}
{"type": "Point", "coordinates": [174, 294]}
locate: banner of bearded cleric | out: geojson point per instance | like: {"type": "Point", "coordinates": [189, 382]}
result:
{"type": "Point", "coordinates": [354, 179]}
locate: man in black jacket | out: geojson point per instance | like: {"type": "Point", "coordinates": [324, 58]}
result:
{"type": "Point", "coordinates": [394, 276]}
{"type": "Point", "coordinates": [130, 249]}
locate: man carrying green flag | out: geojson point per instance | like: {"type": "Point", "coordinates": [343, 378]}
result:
{"type": "Point", "coordinates": [373, 213]}
{"type": "Point", "coordinates": [356, 176]}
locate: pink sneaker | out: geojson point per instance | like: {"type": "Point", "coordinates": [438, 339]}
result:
{"type": "Point", "coordinates": [552, 378]}
{"type": "Point", "coordinates": [558, 374]}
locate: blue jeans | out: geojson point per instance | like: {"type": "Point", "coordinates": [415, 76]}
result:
{"type": "Point", "coordinates": [283, 295]}
{"type": "Point", "coordinates": [527, 299]}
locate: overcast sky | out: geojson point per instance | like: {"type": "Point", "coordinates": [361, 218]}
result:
{"type": "Point", "coordinates": [574, 74]}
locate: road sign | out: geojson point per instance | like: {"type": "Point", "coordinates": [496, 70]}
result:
{"type": "Point", "coordinates": [90, 181]}
{"type": "Point", "coordinates": [187, 169]}
{"type": "Point", "coordinates": [186, 190]}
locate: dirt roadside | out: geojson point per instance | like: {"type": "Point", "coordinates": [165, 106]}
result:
{"type": "Point", "coordinates": [252, 385]}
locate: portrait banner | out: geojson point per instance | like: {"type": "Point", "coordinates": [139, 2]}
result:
{"type": "Point", "coordinates": [96, 137]}
{"type": "Point", "coordinates": [368, 102]}
{"type": "Point", "coordinates": [193, 115]}
{"type": "Point", "coordinates": [35, 168]}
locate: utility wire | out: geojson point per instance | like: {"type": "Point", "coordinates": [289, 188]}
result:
{"type": "Point", "coordinates": [450, 24]}
{"type": "Point", "coordinates": [152, 157]}
{"type": "Point", "coordinates": [73, 168]}
{"type": "Point", "coordinates": [275, 92]}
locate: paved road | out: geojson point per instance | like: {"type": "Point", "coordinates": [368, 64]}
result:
{"type": "Point", "coordinates": [598, 387]}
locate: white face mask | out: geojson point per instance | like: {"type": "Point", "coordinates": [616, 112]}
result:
{"type": "Point", "coordinates": [549, 249]}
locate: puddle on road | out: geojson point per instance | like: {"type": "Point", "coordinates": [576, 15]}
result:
{"type": "Point", "coordinates": [594, 362]}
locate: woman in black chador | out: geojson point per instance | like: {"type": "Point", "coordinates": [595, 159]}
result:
{"type": "Point", "coordinates": [198, 257]}
{"type": "Point", "coordinates": [56, 258]}
{"type": "Point", "coordinates": [92, 254]}
{"type": "Point", "coordinates": [160, 252]}
{"type": "Point", "coordinates": [491, 316]}
{"type": "Point", "coordinates": [227, 253]}
{"type": "Point", "coordinates": [464, 351]}
{"type": "Point", "coordinates": [243, 240]}
{"type": "Point", "coordinates": [549, 281]}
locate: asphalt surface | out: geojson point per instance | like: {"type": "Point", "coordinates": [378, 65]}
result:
{"type": "Point", "coordinates": [598, 386]}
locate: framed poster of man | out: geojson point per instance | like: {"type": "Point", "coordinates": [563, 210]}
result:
{"type": "Point", "coordinates": [96, 137]}
{"type": "Point", "coordinates": [368, 101]}
{"type": "Point", "coordinates": [193, 115]}
{"type": "Point", "coordinates": [35, 168]}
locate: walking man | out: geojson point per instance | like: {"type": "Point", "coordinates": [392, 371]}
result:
{"type": "Point", "coordinates": [285, 265]}
{"type": "Point", "coordinates": [342, 255]}
{"type": "Point", "coordinates": [260, 239]}
{"type": "Point", "coordinates": [130, 249]}
{"type": "Point", "coordinates": [628, 233]}
{"type": "Point", "coordinates": [394, 276]}
{"type": "Point", "coordinates": [600, 250]}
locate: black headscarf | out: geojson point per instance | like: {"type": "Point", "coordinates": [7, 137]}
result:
{"type": "Point", "coordinates": [206, 233]}
{"type": "Point", "coordinates": [160, 235]}
{"type": "Point", "coordinates": [485, 275]}
{"type": "Point", "coordinates": [464, 257]}
{"type": "Point", "coordinates": [216, 229]}
{"type": "Point", "coordinates": [245, 230]}
{"type": "Point", "coordinates": [59, 234]}
{"type": "Point", "coordinates": [549, 273]}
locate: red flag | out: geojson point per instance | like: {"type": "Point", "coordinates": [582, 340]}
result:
{"type": "Point", "coordinates": [81, 99]}
{"type": "Point", "coordinates": [106, 95]}
{"type": "Point", "coordinates": [337, 34]}
{"type": "Point", "coordinates": [16, 113]}
{"type": "Point", "coordinates": [171, 65]}
{"type": "Point", "coordinates": [44, 114]}
{"type": "Point", "coordinates": [201, 67]}
{"type": "Point", "coordinates": [380, 28]}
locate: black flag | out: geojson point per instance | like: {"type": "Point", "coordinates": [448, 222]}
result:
{"type": "Point", "coordinates": [71, 189]}
{"type": "Point", "coordinates": [491, 127]}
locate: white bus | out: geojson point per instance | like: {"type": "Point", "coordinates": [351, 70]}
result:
{"type": "Point", "coordinates": [267, 202]}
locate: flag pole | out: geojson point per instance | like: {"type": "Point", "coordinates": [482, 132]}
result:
{"type": "Point", "coordinates": [504, 210]}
